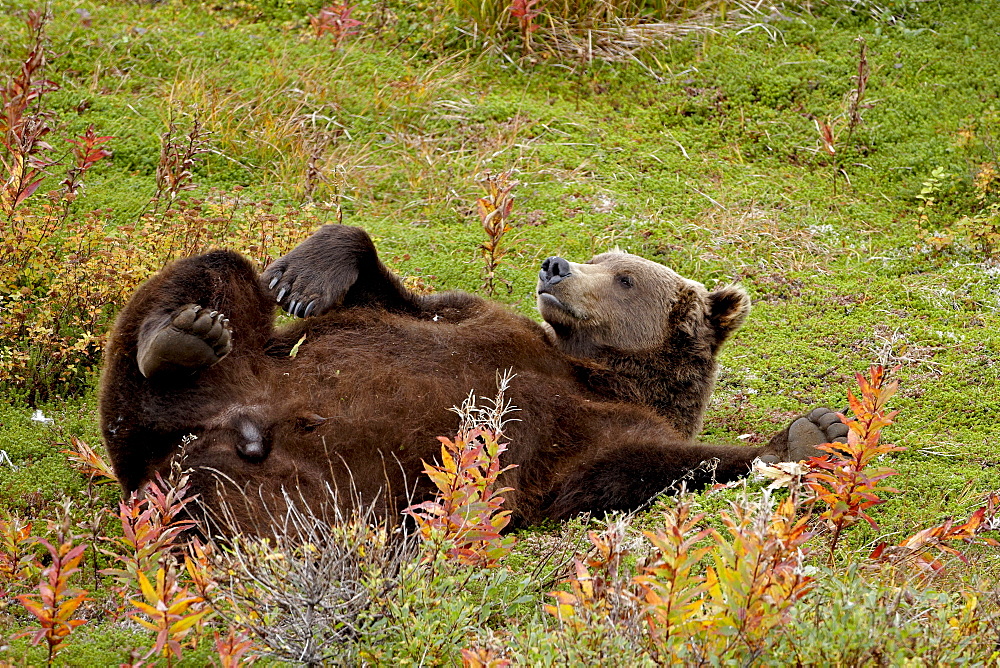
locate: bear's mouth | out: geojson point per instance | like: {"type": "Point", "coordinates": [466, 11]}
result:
{"type": "Point", "coordinates": [550, 298]}
{"type": "Point", "coordinates": [547, 300]}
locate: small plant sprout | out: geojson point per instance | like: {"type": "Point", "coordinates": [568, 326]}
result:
{"type": "Point", "coordinates": [88, 152]}
{"type": "Point", "coordinates": [669, 585]}
{"type": "Point", "coordinates": [834, 139]}
{"type": "Point", "coordinates": [233, 649]}
{"type": "Point", "coordinates": [56, 603]}
{"type": "Point", "coordinates": [21, 129]}
{"type": "Point", "coordinates": [846, 481]}
{"type": "Point", "coordinates": [856, 98]}
{"type": "Point", "coordinates": [757, 573]}
{"type": "Point", "coordinates": [525, 13]}
{"type": "Point", "coordinates": [335, 21]}
{"type": "Point", "coordinates": [16, 559]}
{"type": "Point", "coordinates": [700, 594]}
{"type": "Point", "coordinates": [494, 214]}
{"type": "Point", "coordinates": [92, 464]}
{"type": "Point", "coordinates": [169, 609]}
{"type": "Point", "coordinates": [597, 593]}
{"type": "Point", "coordinates": [179, 153]}
{"type": "Point", "coordinates": [151, 525]}
{"type": "Point", "coordinates": [98, 472]}
{"type": "Point", "coordinates": [482, 657]}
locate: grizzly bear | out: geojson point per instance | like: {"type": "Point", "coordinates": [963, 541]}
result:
{"type": "Point", "coordinates": [611, 390]}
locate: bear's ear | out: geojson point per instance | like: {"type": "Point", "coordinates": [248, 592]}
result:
{"type": "Point", "coordinates": [728, 307]}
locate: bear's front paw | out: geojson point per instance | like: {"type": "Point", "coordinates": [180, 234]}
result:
{"type": "Point", "coordinates": [194, 338]}
{"type": "Point", "coordinates": [303, 293]}
{"type": "Point", "coordinates": [317, 275]}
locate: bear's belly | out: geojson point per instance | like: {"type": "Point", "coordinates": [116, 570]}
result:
{"type": "Point", "coordinates": [363, 409]}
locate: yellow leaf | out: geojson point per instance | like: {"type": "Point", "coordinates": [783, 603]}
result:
{"type": "Point", "coordinates": [180, 606]}
{"type": "Point", "coordinates": [149, 625]}
{"type": "Point", "coordinates": [187, 622]}
{"type": "Point", "coordinates": [295, 348]}
{"type": "Point", "coordinates": [147, 588]}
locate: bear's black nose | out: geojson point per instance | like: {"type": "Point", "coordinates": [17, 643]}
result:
{"type": "Point", "coordinates": [554, 269]}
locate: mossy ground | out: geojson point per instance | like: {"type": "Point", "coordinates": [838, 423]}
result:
{"type": "Point", "coordinates": [713, 166]}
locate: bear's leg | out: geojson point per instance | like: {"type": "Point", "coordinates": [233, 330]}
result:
{"type": "Point", "coordinates": [163, 377]}
{"type": "Point", "coordinates": [626, 477]}
{"type": "Point", "coordinates": [338, 267]}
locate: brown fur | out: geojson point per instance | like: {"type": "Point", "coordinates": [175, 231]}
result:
{"type": "Point", "coordinates": [611, 390]}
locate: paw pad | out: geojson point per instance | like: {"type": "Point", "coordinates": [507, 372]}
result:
{"type": "Point", "coordinates": [194, 338]}
{"type": "Point", "coordinates": [818, 427]}
{"type": "Point", "coordinates": [211, 327]}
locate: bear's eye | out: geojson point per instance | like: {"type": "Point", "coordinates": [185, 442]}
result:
{"type": "Point", "coordinates": [625, 281]}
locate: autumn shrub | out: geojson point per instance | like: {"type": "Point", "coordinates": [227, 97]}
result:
{"type": "Point", "coordinates": [335, 22]}
{"type": "Point", "coordinates": [926, 549]}
{"type": "Point", "coordinates": [494, 214]}
{"type": "Point", "coordinates": [304, 593]}
{"type": "Point", "coordinates": [17, 558]}
{"type": "Point", "coordinates": [698, 593]}
{"type": "Point", "coordinates": [347, 587]}
{"type": "Point", "coordinates": [701, 596]}
{"type": "Point", "coordinates": [599, 614]}
{"type": "Point", "coordinates": [152, 520]}
{"type": "Point", "coordinates": [464, 520]}
{"type": "Point", "coordinates": [160, 575]}
{"type": "Point", "coordinates": [849, 479]}
{"type": "Point", "coordinates": [65, 278]}
{"type": "Point", "coordinates": [60, 301]}
{"type": "Point", "coordinates": [56, 603]}
{"type": "Point", "coordinates": [854, 617]}
{"type": "Point", "coordinates": [94, 520]}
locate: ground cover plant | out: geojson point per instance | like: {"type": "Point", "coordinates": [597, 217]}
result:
{"type": "Point", "coordinates": [839, 159]}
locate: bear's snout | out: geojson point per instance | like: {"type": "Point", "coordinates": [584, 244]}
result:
{"type": "Point", "coordinates": [554, 269]}
{"type": "Point", "coordinates": [252, 445]}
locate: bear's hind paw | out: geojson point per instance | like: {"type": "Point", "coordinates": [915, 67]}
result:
{"type": "Point", "coordinates": [194, 338]}
{"type": "Point", "coordinates": [820, 426]}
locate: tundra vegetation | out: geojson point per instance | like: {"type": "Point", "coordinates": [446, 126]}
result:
{"type": "Point", "coordinates": [839, 158]}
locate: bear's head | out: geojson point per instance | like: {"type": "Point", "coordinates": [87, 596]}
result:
{"type": "Point", "coordinates": [623, 304]}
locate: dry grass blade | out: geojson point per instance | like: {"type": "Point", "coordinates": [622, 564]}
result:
{"type": "Point", "coordinates": [303, 594]}
{"type": "Point", "coordinates": [618, 34]}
